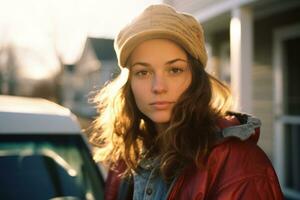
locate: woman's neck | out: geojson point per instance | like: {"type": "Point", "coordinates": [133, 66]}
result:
{"type": "Point", "coordinates": [161, 127]}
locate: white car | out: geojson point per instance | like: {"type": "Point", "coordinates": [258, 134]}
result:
{"type": "Point", "coordinates": [43, 154]}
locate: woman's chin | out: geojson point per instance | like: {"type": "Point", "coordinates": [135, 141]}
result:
{"type": "Point", "coordinates": [161, 119]}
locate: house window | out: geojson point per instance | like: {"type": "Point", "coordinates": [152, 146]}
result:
{"type": "Point", "coordinates": [292, 152]}
{"type": "Point", "coordinates": [291, 49]}
{"type": "Point", "coordinates": [287, 109]}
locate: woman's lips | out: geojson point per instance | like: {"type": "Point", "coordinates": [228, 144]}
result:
{"type": "Point", "coordinates": [161, 105]}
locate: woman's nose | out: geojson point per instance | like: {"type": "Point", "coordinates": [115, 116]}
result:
{"type": "Point", "coordinates": [159, 84]}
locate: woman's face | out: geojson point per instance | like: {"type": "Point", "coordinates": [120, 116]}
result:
{"type": "Point", "coordinates": [159, 74]}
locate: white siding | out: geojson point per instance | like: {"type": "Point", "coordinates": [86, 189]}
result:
{"type": "Point", "coordinates": [263, 104]}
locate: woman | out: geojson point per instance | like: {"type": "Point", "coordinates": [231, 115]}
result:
{"type": "Point", "coordinates": [164, 126]}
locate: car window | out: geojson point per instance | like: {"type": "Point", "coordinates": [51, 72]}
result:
{"type": "Point", "coordinates": [56, 167]}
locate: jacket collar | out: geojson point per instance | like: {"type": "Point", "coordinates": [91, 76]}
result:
{"type": "Point", "coordinates": [239, 125]}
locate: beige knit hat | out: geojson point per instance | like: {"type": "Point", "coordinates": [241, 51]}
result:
{"type": "Point", "coordinates": [161, 21]}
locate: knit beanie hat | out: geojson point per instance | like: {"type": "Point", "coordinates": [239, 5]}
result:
{"type": "Point", "coordinates": [161, 22]}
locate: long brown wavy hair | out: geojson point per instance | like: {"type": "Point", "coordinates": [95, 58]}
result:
{"type": "Point", "coordinates": [122, 132]}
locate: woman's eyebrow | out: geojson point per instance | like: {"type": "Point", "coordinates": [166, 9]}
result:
{"type": "Point", "coordinates": [167, 63]}
{"type": "Point", "coordinates": [141, 63]}
{"type": "Point", "coordinates": [175, 60]}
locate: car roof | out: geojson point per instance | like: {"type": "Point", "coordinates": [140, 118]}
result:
{"type": "Point", "coordinates": [35, 116]}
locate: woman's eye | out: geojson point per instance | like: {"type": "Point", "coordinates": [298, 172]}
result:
{"type": "Point", "coordinates": [176, 70]}
{"type": "Point", "coordinates": [141, 73]}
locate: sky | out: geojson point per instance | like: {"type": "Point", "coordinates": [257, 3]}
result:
{"type": "Point", "coordinates": [63, 25]}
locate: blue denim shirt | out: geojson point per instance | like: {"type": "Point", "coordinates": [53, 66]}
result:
{"type": "Point", "coordinates": [148, 184]}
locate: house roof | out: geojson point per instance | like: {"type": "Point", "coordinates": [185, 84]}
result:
{"type": "Point", "coordinates": [104, 48]}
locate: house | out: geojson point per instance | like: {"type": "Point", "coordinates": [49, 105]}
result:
{"type": "Point", "coordinates": [253, 45]}
{"type": "Point", "coordinates": [86, 76]}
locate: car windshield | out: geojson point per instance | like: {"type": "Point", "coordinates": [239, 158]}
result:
{"type": "Point", "coordinates": [56, 167]}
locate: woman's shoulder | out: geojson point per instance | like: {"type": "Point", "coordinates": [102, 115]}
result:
{"type": "Point", "coordinates": [236, 151]}
{"type": "Point", "coordinates": [235, 169]}
{"type": "Point", "coordinates": [237, 161]}
{"type": "Point", "coordinates": [241, 154]}
{"type": "Point", "coordinates": [241, 168]}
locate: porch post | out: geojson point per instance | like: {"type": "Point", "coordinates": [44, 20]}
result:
{"type": "Point", "coordinates": [241, 48]}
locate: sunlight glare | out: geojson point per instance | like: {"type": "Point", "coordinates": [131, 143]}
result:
{"type": "Point", "coordinates": [62, 26]}
{"type": "Point", "coordinates": [108, 17]}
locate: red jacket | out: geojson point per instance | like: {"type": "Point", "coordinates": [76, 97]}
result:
{"type": "Point", "coordinates": [235, 169]}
